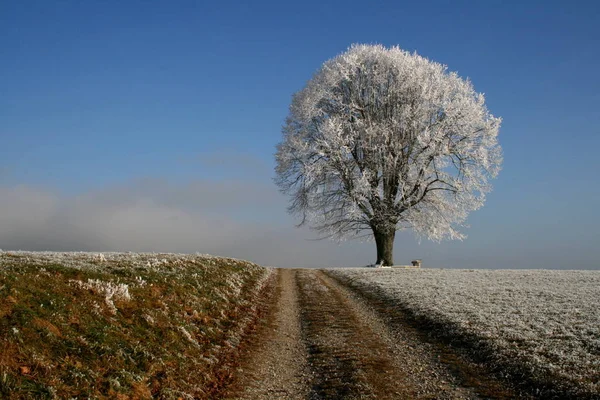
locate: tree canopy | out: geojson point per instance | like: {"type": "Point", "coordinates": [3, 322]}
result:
{"type": "Point", "coordinates": [381, 139]}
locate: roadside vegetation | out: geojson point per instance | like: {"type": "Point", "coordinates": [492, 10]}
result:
{"type": "Point", "coordinates": [122, 325]}
{"type": "Point", "coordinates": [539, 328]}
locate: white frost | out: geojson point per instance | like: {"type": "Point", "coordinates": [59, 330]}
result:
{"type": "Point", "coordinates": [382, 139]}
{"type": "Point", "coordinates": [550, 320]}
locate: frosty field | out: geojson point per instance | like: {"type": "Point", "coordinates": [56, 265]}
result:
{"type": "Point", "coordinates": [146, 325]}
{"type": "Point", "coordinates": [540, 326]}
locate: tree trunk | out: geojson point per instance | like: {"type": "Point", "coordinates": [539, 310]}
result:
{"type": "Point", "coordinates": [385, 247]}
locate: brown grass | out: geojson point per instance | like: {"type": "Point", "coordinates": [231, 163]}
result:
{"type": "Point", "coordinates": [155, 326]}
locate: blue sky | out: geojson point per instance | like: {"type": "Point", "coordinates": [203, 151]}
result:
{"type": "Point", "coordinates": [152, 125]}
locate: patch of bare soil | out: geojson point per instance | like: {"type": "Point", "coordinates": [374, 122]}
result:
{"type": "Point", "coordinates": [276, 367]}
{"type": "Point", "coordinates": [325, 341]}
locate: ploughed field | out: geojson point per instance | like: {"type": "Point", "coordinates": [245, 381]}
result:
{"type": "Point", "coordinates": [171, 326]}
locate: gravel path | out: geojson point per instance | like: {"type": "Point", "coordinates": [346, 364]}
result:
{"type": "Point", "coordinates": [326, 341]}
{"type": "Point", "coordinates": [276, 367]}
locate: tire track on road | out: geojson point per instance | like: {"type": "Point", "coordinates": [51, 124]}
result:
{"type": "Point", "coordinates": [437, 362]}
{"type": "Point", "coordinates": [349, 358]}
{"type": "Point", "coordinates": [323, 340]}
{"type": "Point", "coordinates": [276, 366]}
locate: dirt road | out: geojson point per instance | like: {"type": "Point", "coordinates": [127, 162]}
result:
{"type": "Point", "coordinates": [325, 341]}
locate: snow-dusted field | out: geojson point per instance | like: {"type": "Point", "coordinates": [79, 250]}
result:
{"type": "Point", "coordinates": [543, 323]}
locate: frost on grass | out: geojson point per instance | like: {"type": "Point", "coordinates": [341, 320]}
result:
{"type": "Point", "coordinates": [111, 291]}
{"type": "Point", "coordinates": [168, 322]}
{"type": "Point", "coordinates": [543, 323]}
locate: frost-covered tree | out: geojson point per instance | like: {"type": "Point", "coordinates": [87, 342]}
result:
{"type": "Point", "coordinates": [381, 139]}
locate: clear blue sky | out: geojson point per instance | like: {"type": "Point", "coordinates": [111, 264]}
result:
{"type": "Point", "coordinates": [122, 120]}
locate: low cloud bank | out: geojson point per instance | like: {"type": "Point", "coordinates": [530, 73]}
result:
{"type": "Point", "coordinates": [247, 220]}
{"type": "Point", "coordinates": [229, 218]}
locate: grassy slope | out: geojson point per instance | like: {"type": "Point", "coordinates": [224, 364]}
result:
{"type": "Point", "coordinates": [120, 325]}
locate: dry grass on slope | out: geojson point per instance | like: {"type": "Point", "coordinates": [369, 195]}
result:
{"type": "Point", "coordinates": [121, 325]}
